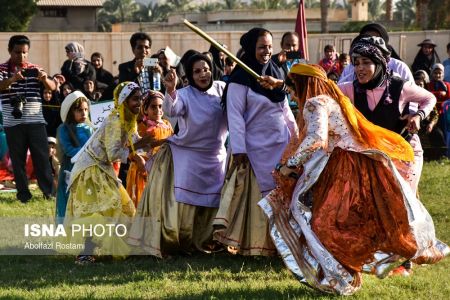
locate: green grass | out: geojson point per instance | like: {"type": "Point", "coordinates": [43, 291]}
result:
{"type": "Point", "coordinates": [219, 276]}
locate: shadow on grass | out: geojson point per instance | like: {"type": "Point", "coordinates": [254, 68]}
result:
{"type": "Point", "coordinates": [31, 273]}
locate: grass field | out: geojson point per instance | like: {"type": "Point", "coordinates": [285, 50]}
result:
{"type": "Point", "coordinates": [219, 276]}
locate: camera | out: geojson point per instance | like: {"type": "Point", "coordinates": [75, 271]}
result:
{"type": "Point", "coordinates": [33, 72]}
{"type": "Point", "coordinates": [150, 62]}
{"type": "Point", "coordinates": [293, 55]}
{"type": "Point", "coordinates": [17, 103]}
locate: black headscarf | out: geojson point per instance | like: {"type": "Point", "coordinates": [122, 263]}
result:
{"type": "Point", "coordinates": [375, 49]}
{"type": "Point", "coordinates": [189, 70]}
{"type": "Point", "coordinates": [383, 33]}
{"type": "Point", "coordinates": [240, 76]}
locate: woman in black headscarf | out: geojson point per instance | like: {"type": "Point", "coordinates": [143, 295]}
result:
{"type": "Point", "coordinates": [426, 57]}
{"type": "Point", "coordinates": [260, 124]}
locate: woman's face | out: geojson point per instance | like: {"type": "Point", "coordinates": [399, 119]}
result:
{"type": "Point", "coordinates": [438, 75]}
{"type": "Point", "coordinates": [154, 110]}
{"type": "Point", "coordinates": [66, 90]}
{"type": "Point", "coordinates": [427, 49]}
{"type": "Point", "coordinates": [420, 83]}
{"type": "Point", "coordinates": [89, 86]}
{"type": "Point", "coordinates": [134, 102]}
{"type": "Point", "coordinates": [201, 74]}
{"type": "Point", "coordinates": [264, 49]}
{"type": "Point", "coordinates": [364, 69]}
{"type": "Point", "coordinates": [81, 113]}
{"type": "Point", "coordinates": [97, 62]}
{"type": "Point", "coordinates": [47, 95]}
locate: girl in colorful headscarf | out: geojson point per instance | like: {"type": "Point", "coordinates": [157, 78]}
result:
{"type": "Point", "coordinates": [96, 195]}
{"type": "Point", "coordinates": [341, 207]}
{"type": "Point", "coordinates": [260, 124]}
{"type": "Point", "coordinates": [385, 100]}
{"type": "Point", "coordinates": [154, 125]}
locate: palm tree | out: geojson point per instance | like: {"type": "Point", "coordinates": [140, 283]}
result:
{"type": "Point", "coordinates": [405, 11]}
{"type": "Point", "coordinates": [422, 13]}
{"type": "Point", "coordinates": [375, 9]}
{"type": "Point", "coordinates": [116, 11]}
{"type": "Point", "coordinates": [324, 5]}
{"type": "Point", "coordinates": [232, 4]}
{"type": "Point", "coordinates": [389, 10]}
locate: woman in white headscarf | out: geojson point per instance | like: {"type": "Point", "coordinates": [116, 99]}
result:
{"type": "Point", "coordinates": [76, 69]}
{"type": "Point", "coordinates": [96, 195]}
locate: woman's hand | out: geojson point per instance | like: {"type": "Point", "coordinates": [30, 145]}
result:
{"type": "Point", "coordinates": [238, 159]}
{"type": "Point", "coordinates": [413, 123]}
{"type": "Point", "coordinates": [138, 65]}
{"type": "Point", "coordinates": [270, 83]}
{"type": "Point", "coordinates": [170, 81]}
{"type": "Point", "coordinates": [287, 171]}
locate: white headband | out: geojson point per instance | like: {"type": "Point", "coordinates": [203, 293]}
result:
{"type": "Point", "coordinates": [126, 91]}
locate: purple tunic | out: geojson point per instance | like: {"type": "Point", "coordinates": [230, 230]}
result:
{"type": "Point", "coordinates": [260, 128]}
{"type": "Point", "coordinates": [198, 149]}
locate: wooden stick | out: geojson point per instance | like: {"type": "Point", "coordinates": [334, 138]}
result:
{"type": "Point", "coordinates": [221, 48]}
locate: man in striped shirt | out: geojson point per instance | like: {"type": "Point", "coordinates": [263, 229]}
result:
{"type": "Point", "coordinates": [20, 84]}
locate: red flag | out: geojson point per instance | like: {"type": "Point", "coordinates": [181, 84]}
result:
{"type": "Point", "coordinates": [300, 28]}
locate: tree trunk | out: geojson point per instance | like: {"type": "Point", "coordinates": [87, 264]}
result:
{"type": "Point", "coordinates": [389, 11]}
{"type": "Point", "coordinates": [324, 4]}
{"type": "Point", "coordinates": [422, 13]}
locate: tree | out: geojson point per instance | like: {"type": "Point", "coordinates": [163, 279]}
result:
{"type": "Point", "coordinates": [375, 9]}
{"type": "Point", "coordinates": [422, 13]}
{"type": "Point", "coordinates": [389, 10]}
{"type": "Point", "coordinates": [324, 4]}
{"type": "Point", "coordinates": [405, 11]}
{"type": "Point", "coordinates": [16, 15]}
{"type": "Point", "coordinates": [116, 11]}
{"type": "Point", "coordinates": [232, 4]}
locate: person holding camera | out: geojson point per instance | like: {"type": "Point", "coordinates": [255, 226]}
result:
{"type": "Point", "coordinates": [20, 84]}
{"type": "Point", "coordinates": [142, 69]}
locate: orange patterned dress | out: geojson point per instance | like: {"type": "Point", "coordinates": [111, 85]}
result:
{"type": "Point", "coordinates": [136, 179]}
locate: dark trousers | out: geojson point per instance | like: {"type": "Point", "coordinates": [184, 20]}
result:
{"type": "Point", "coordinates": [20, 138]}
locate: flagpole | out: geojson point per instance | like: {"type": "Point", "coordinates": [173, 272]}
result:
{"type": "Point", "coordinates": [221, 48]}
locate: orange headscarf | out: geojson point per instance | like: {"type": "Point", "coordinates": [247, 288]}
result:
{"type": "Point", "coordinates": [369, 134]}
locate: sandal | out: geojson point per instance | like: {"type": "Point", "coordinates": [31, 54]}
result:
{"type": "Point", "coordinates": [84, 259]}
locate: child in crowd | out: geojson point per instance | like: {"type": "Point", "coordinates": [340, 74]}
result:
{"type": "Point", "coordinates": [50, 110]}
{"type": "Point", "coordinates": [90, 90]}
{"type": "Point", "coordinates": [65, 89]}
{"type": "Point", "coordinates": [344, 60]}
{"type": "Point", "coordinates": [330, 62]}
{"type": "Point", "coordinates": [73, 133]}
{"type": "Point", "coordinates": [159, 129]}
{"type": "Point", "coordinates": [54, 162]}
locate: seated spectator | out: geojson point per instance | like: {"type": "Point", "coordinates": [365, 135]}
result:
{"type": "Point", "coordinates": [104, 79]}
{"type": "Point", "coordinates": [76, 69]}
